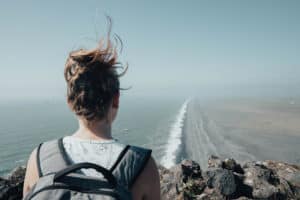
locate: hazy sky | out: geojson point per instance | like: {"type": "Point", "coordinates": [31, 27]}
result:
{"type": "Point", "coordinates": [172, 47]}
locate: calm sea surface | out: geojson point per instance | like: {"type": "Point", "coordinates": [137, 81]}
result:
{"type": "Point", "coordinates": [23, 126]}
{"type": "Point", "coordinates": [173, 129]}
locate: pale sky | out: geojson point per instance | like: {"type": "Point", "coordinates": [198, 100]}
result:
{"type": "Point", "coordinates": [172, 47]}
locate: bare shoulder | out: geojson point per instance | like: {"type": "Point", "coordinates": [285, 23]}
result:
{"type": "Point", "coordinates": [150, 169]}
{"type": "Point", "coordinates": [31, 175]}
{"type": "Point", "coordinates": [147, 185]}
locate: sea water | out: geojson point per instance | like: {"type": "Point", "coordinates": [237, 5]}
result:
{"type": "Point", "coordinates": [173, 128]}
{"type": "Point", "coordinates": [147, 122]}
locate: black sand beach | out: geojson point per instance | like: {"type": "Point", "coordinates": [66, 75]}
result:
{"type": "Point", "coordinates": [244, 130]}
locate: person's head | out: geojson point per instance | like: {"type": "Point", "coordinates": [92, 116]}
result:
{"type": "Point", "coordinates": [93, 85]}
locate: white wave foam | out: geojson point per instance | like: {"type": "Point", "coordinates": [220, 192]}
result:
{"type": "Point", "coordinates": [175, 138]}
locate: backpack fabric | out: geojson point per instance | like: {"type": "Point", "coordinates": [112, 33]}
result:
{"type": "Point", "coordinates": [61, 180]}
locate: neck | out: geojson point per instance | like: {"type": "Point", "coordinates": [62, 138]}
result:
{"type": "Point", "coordinates": [99, 130]}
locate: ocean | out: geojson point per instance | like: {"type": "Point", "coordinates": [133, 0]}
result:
{"type": "Point", "coordinates": [141, 121]}
{"type": "Point", "coordinates": [175, 129]}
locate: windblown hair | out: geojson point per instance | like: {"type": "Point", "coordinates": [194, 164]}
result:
{"type": "Point", "coordinates": [92, 80]}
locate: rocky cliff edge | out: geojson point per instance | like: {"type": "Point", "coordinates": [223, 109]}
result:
{"type": "Point", "coordinates": [223, 179]}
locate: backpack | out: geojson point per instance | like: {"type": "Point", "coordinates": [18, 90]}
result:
{"type": "Point", "coordinates": [61, 180]}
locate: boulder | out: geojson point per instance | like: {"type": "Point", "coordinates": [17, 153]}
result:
{"type": "Point", "coordinates": [231, 164]}
{"type": "Point", "coordinates": [262, 180]}
{"type": "Point", "coordinates": [214, 162]}
{"type": "Point", "coordinates": [11, 188]}
{"type": "Point", "coordinates": [183, 181]}
{"type": "Point", "coordinates": [224, 179]}
{"type": "Point", "coordinates": [227, 179]}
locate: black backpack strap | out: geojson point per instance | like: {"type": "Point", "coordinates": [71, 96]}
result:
{"type": "Point", "coordinates": [38, 161]}
{"type": "Point", "coordinates": [120, 157]}
{"type": "Point", "coordinates": [130, 164]}
{"type": "Point", "coordinates": [51, 157]}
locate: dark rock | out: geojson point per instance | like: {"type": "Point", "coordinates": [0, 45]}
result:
{"type": "Point", "coordinates": [228, 163]}
{"type": "Point", "coordinates": [193, 188]}
{"type": "Point", "coordinates": [182, 181]}
{"type": "Point", "coordinates": [214, 162]}
{"type": "Point", "coordinates": [211, 193]}
{"type": "Point", "coordinates": [262, 180]}
{"type": "Point", "coordinates": [192, 181]}
{"type": "Point", "coordinates": [287, 171]}
{"type": "Point", "coordinates": [12, 187]}
{"type": "Point", "coordinates": [227, 179]}
{"type": "Point", "coordinates": [289, 176]}
{"type": "Point", "coordinates": [231, 164]}
{"type": "Point", "coordinates": [222, 180]}
{"type": "Point", "coordinates": [17, 175]}
{"type": "Point", "coordinates": [190, 169]}
{"type": "Point", "coordinates": [242, 190]}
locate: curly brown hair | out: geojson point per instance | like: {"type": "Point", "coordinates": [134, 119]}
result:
{"type": "Point", "coordinates": [92, 80]}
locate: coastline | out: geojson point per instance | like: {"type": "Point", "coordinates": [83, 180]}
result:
{"type": "Point", "coordinates": [205, 133]}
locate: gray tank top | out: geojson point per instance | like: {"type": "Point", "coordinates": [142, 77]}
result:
{"type": "Point", "coordinates": [103, 153]}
